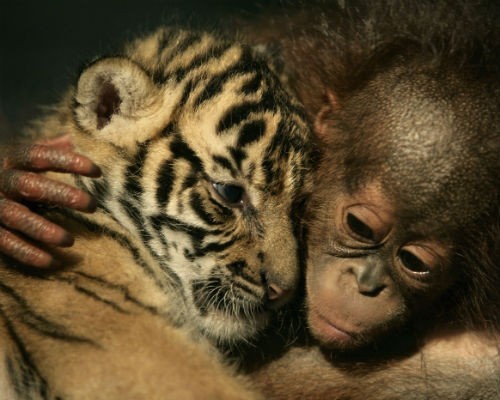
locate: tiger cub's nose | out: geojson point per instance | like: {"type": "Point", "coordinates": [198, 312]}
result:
{"type": "Point", "coordinates": [274, 292]}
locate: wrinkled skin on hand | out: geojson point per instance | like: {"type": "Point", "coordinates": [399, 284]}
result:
{"type": "Point", "coordinates": [21, 184]}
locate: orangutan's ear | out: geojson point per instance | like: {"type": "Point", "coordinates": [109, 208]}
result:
{"type": "Point", "coordinates": [323, 118]}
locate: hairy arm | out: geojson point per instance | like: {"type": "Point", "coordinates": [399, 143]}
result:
{"type": "Point", "coordinates": [462, 366]}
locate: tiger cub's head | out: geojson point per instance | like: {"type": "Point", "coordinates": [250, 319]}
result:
{"type": "Point", "coordinates": [205, 160]}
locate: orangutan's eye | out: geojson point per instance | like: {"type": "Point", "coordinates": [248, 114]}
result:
{"type": "Point", "coordinates": [412, 263]}
{"type": "Point", "coordinates": [365, 225]}
{"type": "Point", "coordinates": [358, 227]}
{"type": "Point", "coordinates": [420, 260]}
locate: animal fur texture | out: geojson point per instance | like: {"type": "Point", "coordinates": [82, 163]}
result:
{"type": "Point", "coordinates": [205, 159]}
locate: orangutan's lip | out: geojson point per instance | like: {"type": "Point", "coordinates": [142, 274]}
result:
{"type": "Point", "coordinates": [328, 331]}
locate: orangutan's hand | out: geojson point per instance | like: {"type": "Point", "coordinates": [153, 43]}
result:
{"type": "Point", "coordinates": [22, 230]}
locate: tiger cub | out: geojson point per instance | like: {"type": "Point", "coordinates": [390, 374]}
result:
{"type": "Point", "coordinates": [205, 160]}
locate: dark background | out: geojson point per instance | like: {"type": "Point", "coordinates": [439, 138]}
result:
{"type": "Point", "coordinates": [43, 43]}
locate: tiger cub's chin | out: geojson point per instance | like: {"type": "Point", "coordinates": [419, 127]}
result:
{"type": "Point", "coordinates": [226, 314]}
{"type": "Point", "coordinates": [226, 328]}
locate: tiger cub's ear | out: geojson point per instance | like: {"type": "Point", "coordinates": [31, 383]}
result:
{"type": "Point", "coordinates": [111, 96]}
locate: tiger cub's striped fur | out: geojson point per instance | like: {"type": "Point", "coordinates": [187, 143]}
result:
{"type": "Point", "coordinates": [205, 159]}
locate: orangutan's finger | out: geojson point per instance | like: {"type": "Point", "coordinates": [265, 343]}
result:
{"type": "Point", "coordinates": [37, 157]}
{"type": "Point", "coordinates": [19, 218]}
{"type": "Point", "coordinates": [20, 250]}
{"type": "Point", "coordinates": [40, 189]}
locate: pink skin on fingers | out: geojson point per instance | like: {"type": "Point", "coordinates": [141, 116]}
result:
{"type": "Point", "coordinates": [19, 218]}
{"type": "Point", "coordinates": [39, 157]}
{"type": "Point", "coordinates": [24, 252]}
{"type": "Point", "coordinates": [33, 187]}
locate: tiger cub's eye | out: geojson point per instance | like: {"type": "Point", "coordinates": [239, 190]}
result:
{"type": "Point", "coordinates": [230, 194]}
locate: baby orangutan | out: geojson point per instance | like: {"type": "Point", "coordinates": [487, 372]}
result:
{"type": "Point", "coordinates": [403, 224]}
